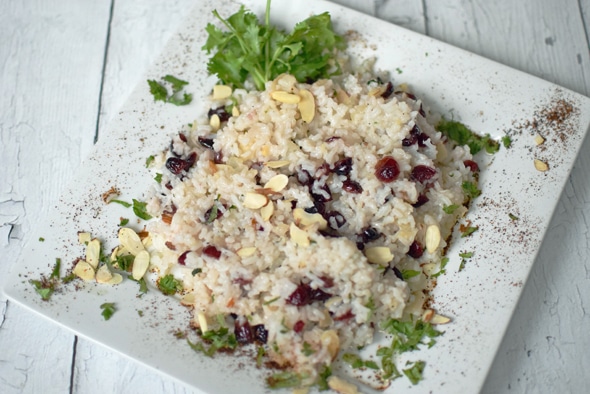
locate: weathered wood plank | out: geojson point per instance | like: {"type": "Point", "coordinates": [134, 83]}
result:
{"type": "Point", "coordinates": [50, 67]}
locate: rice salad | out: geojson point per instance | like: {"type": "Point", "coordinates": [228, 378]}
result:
{"type": "Point", "coordinates": [294, 214]}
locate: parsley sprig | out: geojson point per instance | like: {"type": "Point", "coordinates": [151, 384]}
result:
{"type": "Point", "coordinates": [262, 51]}
{"type": "Point", "coordinates": [458, 132]}
{"type": "Point", "coordinates": [160, 92]}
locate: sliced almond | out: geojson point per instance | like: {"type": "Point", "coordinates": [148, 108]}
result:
{"type": "Point", "coordinates": [221, 92]}
{"type": "Point", "coordinates": [235, 111]}
{"type": "Point", "coordinates": [427, 315]}
{"type": "Point", "coordinates": [140, 265]}
{"type": "Point", "coordinates": [277, 183]}
{"type": "Point", "coordinates": [202, 322]}
{"type": "Point", "coordinates": [130, 241]}
{"type": "Point", "coordinates": [539, 140]}
{"type": "Point", "coordinates": [84, 237]}
{"type": "Point", "coordinates": [284, 97]}
{"type": "Point", "coordinates": [306, 105]}
{"type": "Point", "coordinates": [104, 275]}
{"type": "Point", "coordinates": [341, 386]}
{"type": "Point", "coordinates": [247, 251]}
{"type": "Point", "coordinates": [84, 271]}
{"type": "Point", "coordinates": [116, 279]}
{"type": "Point", "coordinates": [93, 253]}
{"type": "Point", "coordinates": [299, 236]}
{"type": "Point", "coordinates": [432, 238]}
{"type": "Point", "coordinates": [267, 211]}
{"type": "Point", "coordinates": [255, 200]}
{"type": "Point", "coordinates": [188, 299]}
{"type": "Point", "coordinates": [306, 219]}
{"type": "Point", "coordinates": [215, 122]}
{"type": "Point", "coordinates": [439, 319]}
{"type": "Point", "coordinates": [301, 390]}
{"type": "Point", "coordinates": [430, 268]}
{"type": "Point", "coordinates": [379, 255]}
{"type": "Point", "coordinates": [541, 165]}
{"type": "Point", "coordinates": [331, 341]}
{"type": "Point", "coordinates": [277, 163]}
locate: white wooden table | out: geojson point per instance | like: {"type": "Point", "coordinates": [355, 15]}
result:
{"type": "Point", "coordinates": [67, 65]}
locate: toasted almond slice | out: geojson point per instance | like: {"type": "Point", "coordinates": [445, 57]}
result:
{"type": "Point", "coordinates": [247, 251]}
{"type": "Point", "coordinates": [541, 165]}
{"type": "Point", "coordinates": [235, 111]}
{"type": "Point", "coordinates": [306, 105]}
{"type": "Point", "coordinates": [93, 252]}
{"type": "Point", "coordinates": [147, 241]}
{"type": "Point", "coordinates": [267, 211]}
{"type": "Point", "coordinates": [84, 237]}
{"type": "Point", "coordinates": [221, 92]}
{"type": "Point", "coordinates": [84, 271]}
{"type": "Point", "coordinates": [285, 81]}
{"type": "Point", "coordinates": [301, 390]}
{"type": "Point", "coordinates": [215, 122]}
{"type": "Point", "coordinates": [130, 241]}
{"type": "Point", "coordinates": [277, 163]}
{"type": "Point", "coordinates": [277, 183]}
{"type": "Point", "coordinates": [306, 219]}
{"type": "Point", "coordinates": [202, 322]}
{"type": "Point", "coordinates": [255, 200]}
{"type": "Point", "coordinates": [379, 255]}
{"type": "Point", "coordinates": [284, 97]}
{"type": "Point", "coordinates": [188, 299]}
{"type": "Point", "coordinates": [439, 319]}
{"type": "Point", "coordinates": [432, 238]}
{"type": "Point", "coordinates": [331, 341]}
{"type": "Point", "coordinates": [103, 275]}
{"type": "Point", "coordinates": [299, 236]}
{"type": "Point", "coordinates": [116, 279]}
{"type": "Point", "coordinates": [427, 315]}
{"type": "Point", "coordinates": [140, 264]}
{"type": "Point", "coordinates": [341, 386]}
{"type": "Point", "coordinates": [539, 140]}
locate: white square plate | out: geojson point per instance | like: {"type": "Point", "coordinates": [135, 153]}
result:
{"type": "Point", "coordinates": [488, 97]}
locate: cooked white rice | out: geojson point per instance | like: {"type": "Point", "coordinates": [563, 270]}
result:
{"type": "Point", "coordinates": [262, 261]}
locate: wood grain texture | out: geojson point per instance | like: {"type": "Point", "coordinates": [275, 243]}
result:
{"type": "Point", "coordinates": [51, 73]}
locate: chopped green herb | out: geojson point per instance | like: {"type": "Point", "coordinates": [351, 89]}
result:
{"type": "Point", "coordinates": [212, 214]}
{"type": "Point", "coordinates": [160, 92]}
{"type": "Point", "coordinates": [399, 70]}
{"type": "Point", "coordinates": [179, 334]}
{"type": "Point", "coordinates": [196, 271]}
{"type": "Point", "coordinates": [467, 231]}
{"type": "Point", "coordinates": [139, 208]}
{"type": "Point", "coordinates": [68, 278]}
{"type": "Point", "coordinates": [169, 285]}
{"type": "Point", "coordinates": [506, 141]}
{"type": "Point", "coordinates": [124, 262]}
{"type": "Point", "coordinates": [217, 339]}
{"type": "Point", "coordinates": [356, 361]}
{"type": "Point", "coordinates": [123, 222]}
{"type": "Point", "coordinates": [450, 209]}
{"type": "Point", "coordinates": [407, 274]}
{"type": "Point", "coordinates": [470, 189]}
{"type": "Point", "coordinates": [41, 239]}
{"type": "Point", "coordinates": [149, 160]}
{"type": "Point", "coordinates": [513, 217]}
{"type": "Point", "coordinates": [158, 178]}
{"type": "Point", "coordinates": [260, 356]}
{"type": "Point", "coordinates": [323, 376]}
{"type": "Point", "coordinates": [56, 269]}
{"type": "Point", "coordinates": [466, 255]}
{"type": "Point", "coordinates": [124, 203]}
{"type": "Point", "coordinates": [108, 309]}
{"type": "Point", "coordinates": [414, 373]}
{"type": "Point", "coordinates": [271, 301]}
{"type": "Point", "coordinates": [43, 287]}
{"type": "Point", "coordinates": [140, 312]}
{"type": "Point", "coordinates": [262, 52]}
{"type": "Point", "coordinates": [459, 133]}
{"type": "Point", "coordinates": [443, 263]}
{"type": "Point", "coordinates": [307, 349]}
{"type": "Point", "coordinates": [284, 380]}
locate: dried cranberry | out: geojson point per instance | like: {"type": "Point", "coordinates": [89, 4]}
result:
{"type": "Point", "coordinates": [422, 138]}
{"type": "Point", "coordinates": [206, 142]}
{"type": "Point", "coordinates": [182, 137]}
{"type": "Point", "coordinates": [299, 326]}
{"type": "Point", "coordinates": [409, 141]}
{"type": "Point", "coordinates": [182, 258]}
{"type": "Point", "coordinates": [243, 331]}
{"type": "Point", "coordinates": [168, 186]}
{"type": "Point", "coordinates": [328, 282]}
{"type": "Point", "coordinates": [369, 234]}
{"type": "Point", "coordinates": [343, 167]}
{"type": "Point", "coordinates": [471, 165]}
{"type": "Point", "coordinates": [260, 333]}
{"type": "Point", "coordinates": [218, 158]}
{"type": "Point", "coordinates": [219, 111]}
{"type": "Point", "coordinates": [304, 178]}
{"type": "Point", "coordinates": [218, 214]}
{"type": "Point", "coordinates": [352, 187]}
{"type": "Point", "coordinates": [422, 199]}
{"type": "Point", "coordinates": [322, 197]}
{"type": "Point", "coordinates": [332, 139]}
{"type": "Point", "coordinates": [190, 161]}
{"type": "Point", "coordinates": [421, 111]}
{"type": "Point", "coordinates": [175, 165]}
{"type": "Point", "coordinates": [387, 169]}
{"type": "Point", "coordinates": [301, 296]}
{"type": "Point", "coordinates": [388, 90]}
{"type": "Point", "coordinates": [335, 219]}
{"type": "Point", "coordinates": [319, 295]}
{"type": "Point", "coordinates": [346, 316]}
{"type": "Point", "coordinates": [422, 173]}
{"type": "Point", "coordinates": [322, 170]}
{"type": "Point", "coordinates": [311, 210]}
{"type": "Point", "coordinates": [212, 251]}
{"type": "Point", "coordinates": [416, 250]}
